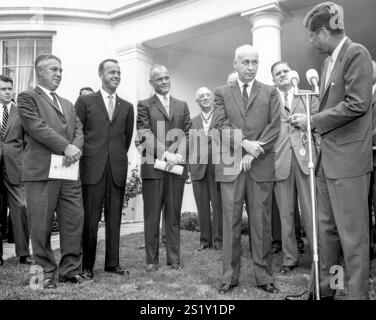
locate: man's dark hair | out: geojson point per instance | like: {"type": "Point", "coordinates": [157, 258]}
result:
{"type": "Point", "coordinates": [275, 64]}
{"type": "Point", "coordinates": [6, 79]}
{"type": "Point", "coordinates": [328, 15]}
{"type": "Point", "coordinates": [101, 65]}
{"type": "Point", "coordinates": [44, 57]}
{"type": "Point", "coordinates": [86, 89]}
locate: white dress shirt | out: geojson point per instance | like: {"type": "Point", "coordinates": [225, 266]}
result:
{"type": "Point", "coordinates": [249, 88]}
{"type": "Point", "coordinates": [106, 100]}
{"type": "Point", "coordinates": [206, 119]}
{"type": "Point", "coordinates": [332, 60]}
{"type": "Point", "coordinates": [290, 96]}
{"type": "Point", "coordinates": [165, 100]}
{"type": "Point", "coordinates": [48, 93]}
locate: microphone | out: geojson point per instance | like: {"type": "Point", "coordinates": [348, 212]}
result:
{"type": "Point", "coordinates": [313, 78]}
{"type": "Point", "coordinates": [294, 80]}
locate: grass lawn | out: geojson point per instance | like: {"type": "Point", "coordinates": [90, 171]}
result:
{"type": "Point", "coordinates": [198, 280]}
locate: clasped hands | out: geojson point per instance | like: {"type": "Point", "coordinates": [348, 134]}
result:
{"type": "Point", "coordinates": [253, 149]}
{"type": "Point", "coordinates": [71, 154]}
{"type": "Point", "coordinates": [173, 159]}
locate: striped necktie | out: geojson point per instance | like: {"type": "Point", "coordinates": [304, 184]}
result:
{"type": "Point", "coordinates": [5, 119]}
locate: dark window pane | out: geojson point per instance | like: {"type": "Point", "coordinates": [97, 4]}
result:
{"type": "Point", "coordinates": [9, 52]}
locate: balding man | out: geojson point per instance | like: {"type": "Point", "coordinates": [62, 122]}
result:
{"type": "Point", "coordinates": [247, 114]}
{"type": "Point", "coordinates": [206, 190]}
{"type": "Point", "coordinates": [344, 122]}
{"type": "Point", "coordinates": [163, 124]}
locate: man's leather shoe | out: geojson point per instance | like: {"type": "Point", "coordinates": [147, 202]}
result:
{"type": "Point", "coordinates": [87, 274]}
{"type": "Point", "coordinates": [296, 296]}
{"type": "Point", "coordinates": [301, 250]}
{"type": "Point", "coordinates": [1, 261]}
{"type": "Point", "coordinates": [324, 298]}
{"type": "Point", "coordinates": [176, 266]}
{"type": "Point", "coordinates": [49, 283]}
{"type": "Point", "coordinates": [77, 279]}
{"type": "Point", "coordinates": [269, 287]}
{"type": "Point", "coordinates": [286, 269]}
{"type": "Point", "coordinates": [26, 260]}
{"type": "Point", "coordinates": [226, 288]}
{"type": "Point", "coordinates": [116, 270]}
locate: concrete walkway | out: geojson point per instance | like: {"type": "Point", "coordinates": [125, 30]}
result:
{"type": "Point", "coordinates": [126, 228]}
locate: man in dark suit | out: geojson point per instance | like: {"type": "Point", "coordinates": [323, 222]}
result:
{"type": "Point", "coordinates": [163, 124]}
{"type": "Point", "coordinates": [246, 112]}
{"type": "Point", "coordinates": [344, 122]}
{"type": "Point", "coordinates": [52, 127]}
{"type": "Point", "coordinates": [107, 123]}
{"type": "Point", "coordinates": [372, 193]}
{"type": "Point", "coordinates": [11, 161]}
{"type": "Point", "coordinates": [206, 190]}
{"type": "Point", "coordinates": [291, 167]}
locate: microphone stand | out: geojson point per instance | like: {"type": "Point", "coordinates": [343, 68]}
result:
{"type": "Point", "coordinates": [308, 94]}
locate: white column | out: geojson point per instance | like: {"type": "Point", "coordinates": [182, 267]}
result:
{"type": "Point", "coordinates": [266, 37]}
{"type": "Point", "coordinates": [135, 63]}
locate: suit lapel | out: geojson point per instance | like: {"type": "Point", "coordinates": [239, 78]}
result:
{"type": "Point", "coordinates": [336, 64]}
{"type": "Point", "coordinates": [294, 104]}
{"type": "Point", "coordinates": [254, 92]}
{"type": "Point", "coordinates": [235, 90]}
{"type": "Point", "coordinates": [117, 108]}
{"type": "Point", "coordinates": [172, 107]}
{"type": "Point", "coordinates": [323, 76]}
{"type": "Point", "coordinates": [161, 108]}
{"type": "Point", "coordinates": [101, 104]}
{"type": "Point", "coordinates": [47, 98]}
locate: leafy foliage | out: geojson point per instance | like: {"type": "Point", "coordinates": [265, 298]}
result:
{"type": "Point", "coordinates": [133, 186]}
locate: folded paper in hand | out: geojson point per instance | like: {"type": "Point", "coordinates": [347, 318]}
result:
{"type": "Point", "coordinates": [58, 171]}
{"type": "Point", "coordinates": [162, 165]}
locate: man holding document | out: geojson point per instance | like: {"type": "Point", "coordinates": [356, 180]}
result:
{"type": "Point", "coordinates": [163, 124]}
{"type": "Point", "coordinates": [52, 129]}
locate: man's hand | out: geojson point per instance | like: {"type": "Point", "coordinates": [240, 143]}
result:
{"type": "Point", "coordinates": [71, 155]}
{"type": "Point", "coordinates": [299, 121]}
{"type": "Point", "coordinates": [246, 162]}
{"type": "Point", "coordinates": [172, 159]}
{"type": "Point", "coordinates": [252, 147]}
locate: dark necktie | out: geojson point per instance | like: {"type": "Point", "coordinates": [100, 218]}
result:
{"type": "Point", "coordinates": [286, 102]}
{"type": "Point", "coordinates": [245, 94]}
{"type": "Point", "coordinates": [54, 99]}
{"type": "Point", "coordinates": [5, 119]}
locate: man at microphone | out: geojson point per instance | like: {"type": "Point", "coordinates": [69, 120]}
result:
{"type": "Point", "coordinates": [291, 167]}
{"type": "Point", "coordinates": [344, 122]}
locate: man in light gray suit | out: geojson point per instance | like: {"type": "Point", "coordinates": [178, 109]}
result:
{"type": "Point", "coordinates": [291, 167]}
{"type": "Point", "coordinates": [246, 113]}
{"type": "Point", "coordinates": [52, 127]}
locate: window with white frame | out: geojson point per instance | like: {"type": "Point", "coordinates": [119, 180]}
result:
{"type": "Point", "coordinates": [17, 56]}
